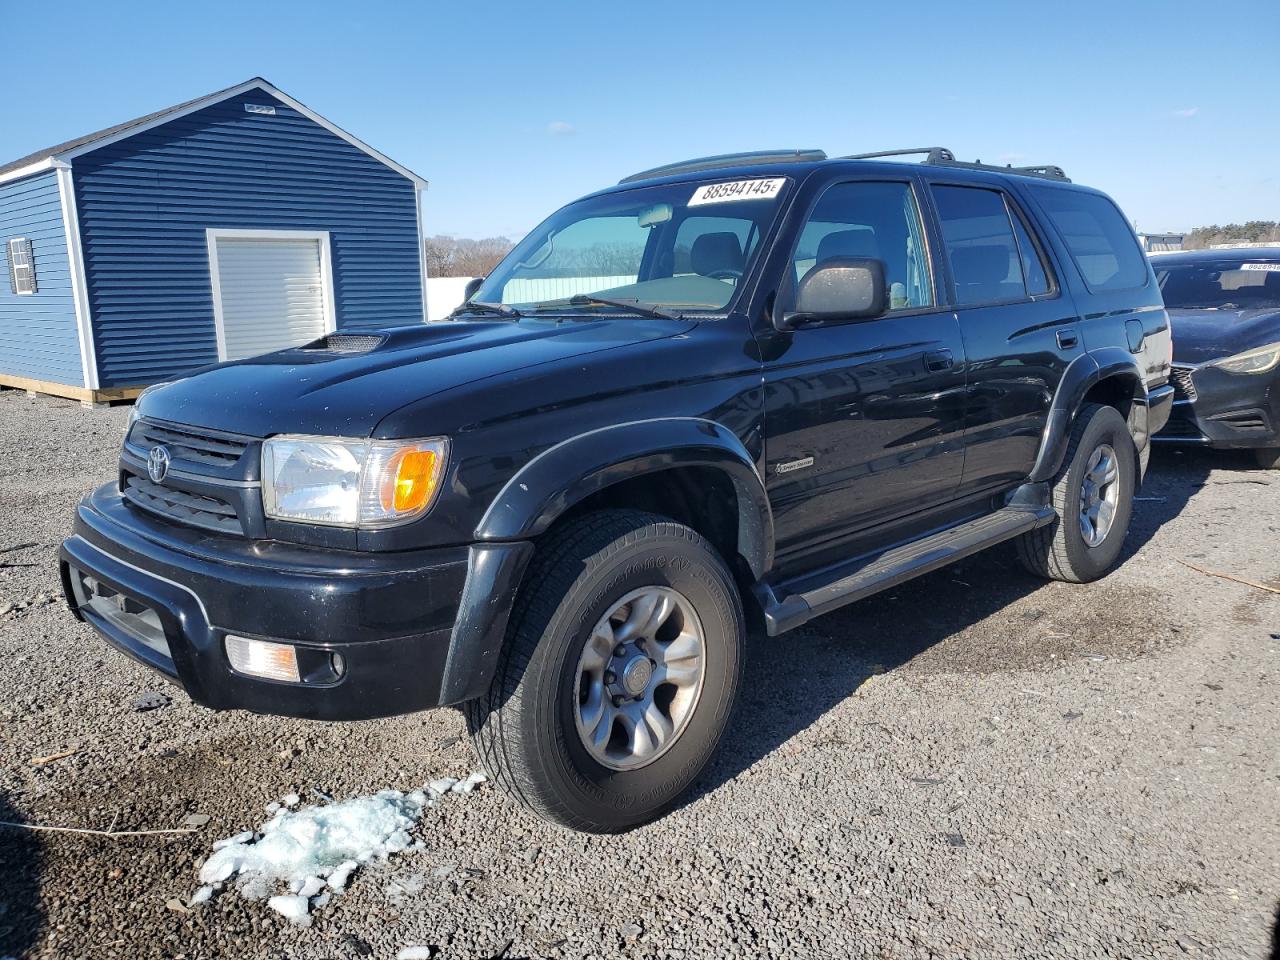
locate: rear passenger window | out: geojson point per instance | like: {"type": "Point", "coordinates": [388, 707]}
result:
{"type": "Point", "coordinates": [986, 263]}
{"type": "Point", "coordinates": [1033, 268]}
{"type": "Point", "coordinates": [1097, 236]}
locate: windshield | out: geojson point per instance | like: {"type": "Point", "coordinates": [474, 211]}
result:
{"type": "Point", "coordinates": [1221, 285]}
{"type": "Point", "coordinates": [679, 247]}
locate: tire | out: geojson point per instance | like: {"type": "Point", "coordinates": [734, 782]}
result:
{"type": "Point", "coordinates": [1060, 550]}
{"type": "Point", "coordinates": [1268, 458]}
{"type": "Point", "coordinates": [526, 729]}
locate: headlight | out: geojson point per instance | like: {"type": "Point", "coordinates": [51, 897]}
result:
{"type": "Point", "coordinates": [1260, 360]}
{"type": "Point", "coordinates": [350, 483]}
{"type": "Point", "coordinates": [136, 410]}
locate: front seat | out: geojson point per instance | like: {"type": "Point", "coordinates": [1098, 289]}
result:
{"type": "Point", "coordinates": [717, 253]}
{"type": "Point", "coordinates": [848, 243]}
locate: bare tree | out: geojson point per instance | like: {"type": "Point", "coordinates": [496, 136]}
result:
{"type": "Point", "coordinates": [462, 257]}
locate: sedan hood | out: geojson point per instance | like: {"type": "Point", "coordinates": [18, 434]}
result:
{"type": "Point", "coordinates": [1203, 335]}
{"type": "Point", "coordinates": [345, 384]}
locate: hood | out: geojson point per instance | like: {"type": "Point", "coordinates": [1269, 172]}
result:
{"type": "Point", "coordinates": [344, 384]}
{"type": "Point", "coordinates": [1201, 335]}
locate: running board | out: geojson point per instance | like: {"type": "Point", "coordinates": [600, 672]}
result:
{"type": "Point", "coordinates": [823, 591]}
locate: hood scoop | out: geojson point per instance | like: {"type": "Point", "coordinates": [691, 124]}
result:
{"type": "Point", "coordinates": [345, 343]}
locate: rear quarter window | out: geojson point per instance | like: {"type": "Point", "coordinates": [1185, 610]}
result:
{"type": "Point", "coordinates": [1097, 237]}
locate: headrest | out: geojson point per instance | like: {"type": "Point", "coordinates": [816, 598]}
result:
{"type": "Point", "coordinates": [848, 243]}
{"type": "Point", "coordinates": [713, 252]}
{"type": "Point", "coordinates": [984, 264]}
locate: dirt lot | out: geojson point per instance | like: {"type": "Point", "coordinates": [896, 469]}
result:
{"type": "Point", "coordinates": [976, 765]}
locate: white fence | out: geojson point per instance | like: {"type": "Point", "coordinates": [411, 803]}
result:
{"type": "Point", "coordinates": [444, 294]}
{"type": "Point", "coordinates": [559, 288]}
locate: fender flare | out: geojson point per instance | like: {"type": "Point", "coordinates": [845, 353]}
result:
{"type": "Point", "coordinates": [1080, 376]}
{"type": "Point", "coordinates": [569, 471]}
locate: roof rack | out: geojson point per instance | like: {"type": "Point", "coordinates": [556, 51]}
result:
{"type": "Point", "coordinates": [934, 154]}
{"type": "Point", "coordinates": [728, 160]}
{"type": "Point", "coordinates": [942, 157]}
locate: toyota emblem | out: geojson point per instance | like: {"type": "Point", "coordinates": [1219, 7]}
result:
{"type": "Point", "coordinates": [158, 464]}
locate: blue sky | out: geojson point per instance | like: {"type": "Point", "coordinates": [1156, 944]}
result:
{"type": "Point", "coordinates": [513, 109]}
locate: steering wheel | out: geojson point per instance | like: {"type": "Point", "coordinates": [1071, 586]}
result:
{"type": "Point", "coordinates": [725, 273]}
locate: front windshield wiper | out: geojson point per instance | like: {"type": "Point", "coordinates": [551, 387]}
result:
{"type": "Point", "coordinates": [639, 306]}
{"type": "Point", "coordinates": [481, 306]}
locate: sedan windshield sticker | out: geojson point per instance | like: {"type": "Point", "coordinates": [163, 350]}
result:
{"type": "Point", "coordinates": [737, 190]}
{"type": "Point", "coordinates": [1269, 267]}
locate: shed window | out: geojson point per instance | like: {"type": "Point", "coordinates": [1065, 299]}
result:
{"type": "Point", "coordinates": [22, 269]}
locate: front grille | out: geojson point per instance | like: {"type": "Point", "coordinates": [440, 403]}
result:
{"type": "Point", "coordinates": [1181, 427]}
{"type": "Point", "coordinates": [192, 444]}
{"type": "Point", "coordinates": [1184, 388]}
{"type": "Point", "coordinates": [181, 506]}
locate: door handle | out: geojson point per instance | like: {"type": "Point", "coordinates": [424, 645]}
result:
{"type": "Point", "coordinates": [938, 360]}
{"type": "Point", "coordinates": [1067, 339]}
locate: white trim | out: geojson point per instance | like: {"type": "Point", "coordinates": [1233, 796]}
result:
{"type": "Point", "coordinates": [255, 84]}
{"type": "Point", "coordinates": [40, 166]}
{"type": "Point", "coordinates": [212, 236]}
{"type": "Point", "coordinates": [422, 253]}
{"type": "Point", "coordinates": [79, 284]}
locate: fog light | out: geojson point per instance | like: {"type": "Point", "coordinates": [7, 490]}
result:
{"type": "Point", "coordinates": [258, 658]}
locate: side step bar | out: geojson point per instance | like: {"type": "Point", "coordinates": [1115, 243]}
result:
{"type": "Point", "coordinates": [796, 602]}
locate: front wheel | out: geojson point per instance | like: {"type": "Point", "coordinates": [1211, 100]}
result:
{"type": "Point", "coordinates": [1093, 497]}
{"type": "Point", "coordinates": [619, 672]}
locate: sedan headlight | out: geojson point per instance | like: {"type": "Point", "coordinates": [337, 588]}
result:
{"type": "Point", "coordinates": [350, 483]}
{"type": "Point", "coordinates": [1260, 360]}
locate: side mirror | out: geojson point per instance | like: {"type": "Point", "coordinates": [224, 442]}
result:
{"type": "Point", "coordinates": [840, 288]}
{"type": "Point", "coordinates": [472, 286]}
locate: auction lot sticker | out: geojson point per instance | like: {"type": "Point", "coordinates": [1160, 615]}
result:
{"type": "Point", "coordinates": [1269, 267]}
{"type": "Point", "coordinates": [737, 190]}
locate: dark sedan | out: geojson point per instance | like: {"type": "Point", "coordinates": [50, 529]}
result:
{"type": "Point", "coordinates": [1225, 309]}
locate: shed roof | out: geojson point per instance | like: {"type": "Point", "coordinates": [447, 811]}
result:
{"type": "Point", "coordinates": [66, 151]}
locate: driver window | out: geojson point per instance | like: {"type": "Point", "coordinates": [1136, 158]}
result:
{"type": "Point", "coordinates": [876, 220]}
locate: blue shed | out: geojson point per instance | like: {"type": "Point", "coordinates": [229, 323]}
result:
{"type": "Point", "coordinates": [224, 227]}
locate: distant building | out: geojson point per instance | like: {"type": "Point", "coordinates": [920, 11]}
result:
{"type": "Point", "coordinates": [1232, 244]}
{"type": "Point", "coordinates": [228, 226]}
{"type": "Point", "coordinates": [1161, 242]}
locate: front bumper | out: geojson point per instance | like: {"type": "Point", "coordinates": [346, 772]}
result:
{"type": "Point", "coordinates": [1224, 410]}
{"type": "Point", "coordinates": [377, 634]}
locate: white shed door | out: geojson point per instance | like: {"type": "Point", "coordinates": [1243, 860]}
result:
{"type": "Point", "coordinates": [271, 294]}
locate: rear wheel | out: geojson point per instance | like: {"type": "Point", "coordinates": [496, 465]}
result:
{"type": "Point", "coordinates": [618, 675]}
{"type": "Point", "coordinates": [1093, 497]}
{"type": "Point", "coordinates": [1268, 458]}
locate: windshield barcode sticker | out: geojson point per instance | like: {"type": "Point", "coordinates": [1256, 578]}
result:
{"type": "Point", "coordinates": [1269, 267]}
{"type": "Point", "coordinates": [737, 190]}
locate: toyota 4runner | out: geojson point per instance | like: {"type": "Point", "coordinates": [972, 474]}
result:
{"type": "Point", "coordinates": [742, 389]}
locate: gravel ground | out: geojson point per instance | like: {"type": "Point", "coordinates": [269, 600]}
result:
{"type": "Point", "coordinates": [975, 765]}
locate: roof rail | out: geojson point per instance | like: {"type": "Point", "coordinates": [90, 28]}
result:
{"type": "Point", "coordinates": [727, 160]}
{"type": "Point", "coordinates": [942, 157]}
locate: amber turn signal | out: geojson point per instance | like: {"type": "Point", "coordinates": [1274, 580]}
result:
{"type": "Point", "coordinates": [411, 480]}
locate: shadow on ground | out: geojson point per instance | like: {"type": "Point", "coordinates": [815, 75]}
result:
{"type": "Point", "coordinates": [21, 864]}
{"type": "Point", "coordinates": [1177, 474]}
{"type": "Point", "coordinates": [984, 615]}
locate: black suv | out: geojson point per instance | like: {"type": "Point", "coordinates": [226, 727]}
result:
{"type": "Point", "coordinates": [743, 389]}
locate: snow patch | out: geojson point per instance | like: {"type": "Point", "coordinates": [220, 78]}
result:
{"type": "Point", "coordinates": [313, 850]}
